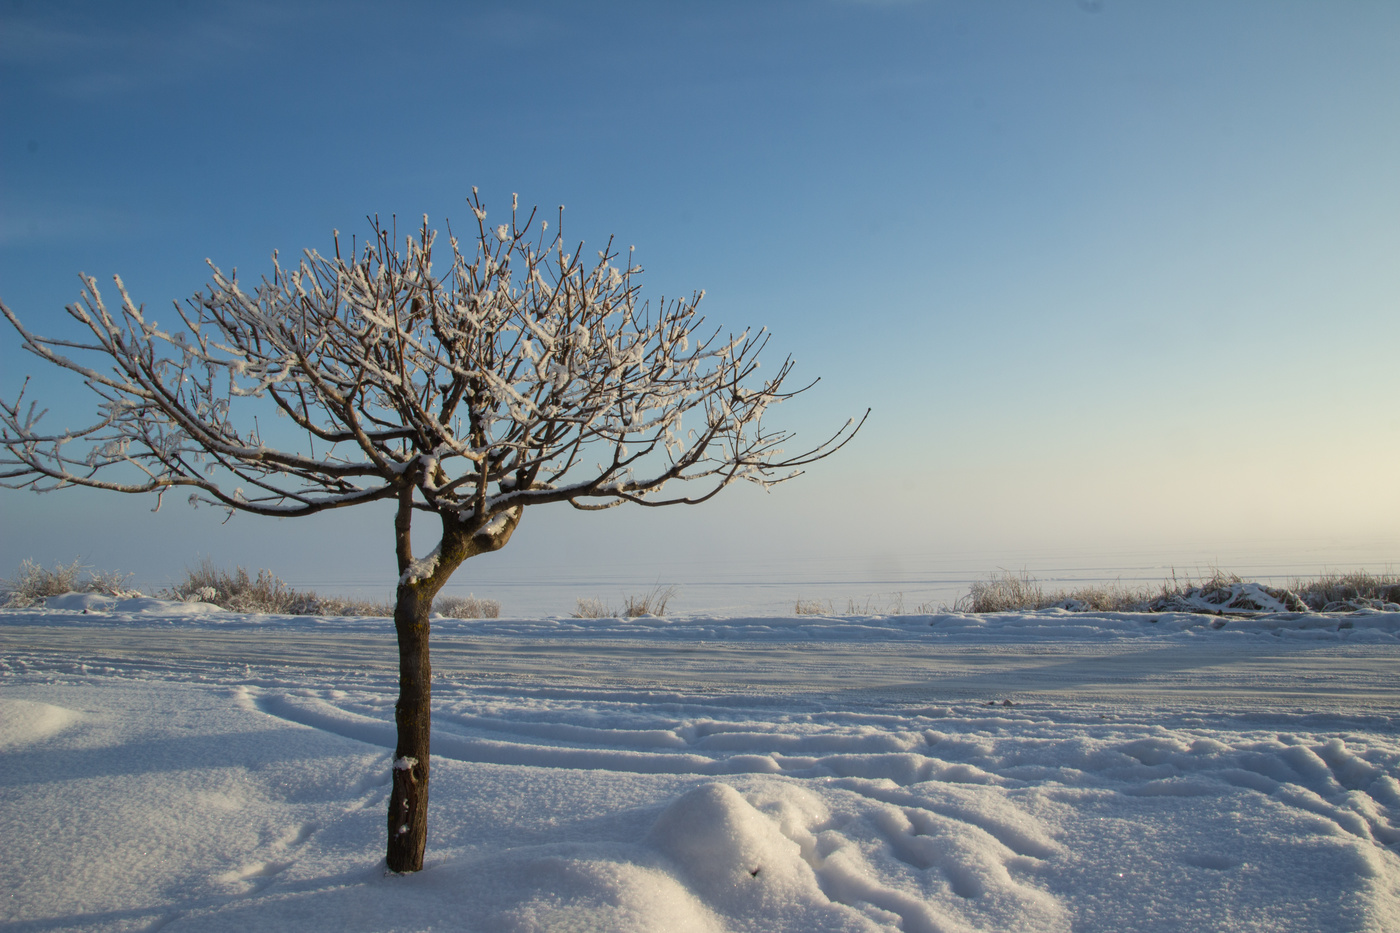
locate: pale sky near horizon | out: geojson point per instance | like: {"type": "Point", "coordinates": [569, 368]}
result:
{"type": "Point", "coordinates": [1116, 277]}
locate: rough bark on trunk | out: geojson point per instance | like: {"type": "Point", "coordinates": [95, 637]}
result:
{"type": "Point", "coordinates": [408, 801]}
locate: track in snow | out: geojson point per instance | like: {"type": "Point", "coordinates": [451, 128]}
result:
{"type": "Point", "coordinates": [1250, 672]}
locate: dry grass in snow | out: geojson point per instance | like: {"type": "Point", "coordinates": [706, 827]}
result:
{"type": "Point", "coordinates": [651, 603]}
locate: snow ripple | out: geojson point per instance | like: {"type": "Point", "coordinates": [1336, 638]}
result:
{"type": "Point", "coordinates": [967, 806]}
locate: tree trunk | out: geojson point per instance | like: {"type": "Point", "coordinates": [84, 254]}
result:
{"type": "Point", "coordinates": [408, 802]}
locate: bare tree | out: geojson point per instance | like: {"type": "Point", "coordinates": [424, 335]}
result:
{"type": "Point", "coordinates": [520, 376]}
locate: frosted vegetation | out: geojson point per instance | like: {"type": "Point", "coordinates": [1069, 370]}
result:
{"type": "Point", "coordinates": [1217, 592]}
{"type": "Point", "coordinates": [651, 603]}
{"type": "Point", "coordinates": [236, 590]}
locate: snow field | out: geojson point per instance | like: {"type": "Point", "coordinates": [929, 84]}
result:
{"type": "Point", "coordinates": [210, 796]}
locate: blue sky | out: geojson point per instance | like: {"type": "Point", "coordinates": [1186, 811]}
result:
{"type": "Point", "coordinates": [1116, 277]}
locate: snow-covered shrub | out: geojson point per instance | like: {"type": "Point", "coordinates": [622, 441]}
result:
{"type": "Point", "coordinates": [467, 607]}
{"type": "Point", "coordinates": [239, 592]}
{"type": "Point", "coordinates": [1232, 596]}
{"type": "Point", "coordinates": [110, 583]}
{"type": "Point", "coordinates": [589, 607]}
{"type": "Point", "coordinates": [341, 606]}
{"type": "Point", "coordinates": [1004, 592]}
{"type": "Point", "coordinates": [1349, 591]}
{"type": "Point", "coordinates": [650, 604]}
{"type": "Point", "coordinates": [205, 594]}
{"type": "Point", "coordinates": [32, 584]}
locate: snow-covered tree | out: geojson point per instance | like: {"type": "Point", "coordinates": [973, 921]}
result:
{"type": "Point", "coordinates": [517, 374]}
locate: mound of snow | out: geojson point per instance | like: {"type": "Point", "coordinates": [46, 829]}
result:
{"type": "Point", "coordinates": [578, 890]}
{"type": "Point", "coordinates": [25, 721]}
{"type": "Point", "coordinates": [742, 865]}
{"type": "Point", "coordinates": [80, 602]}
{"type": "Point", "coordinates": [143, 605]}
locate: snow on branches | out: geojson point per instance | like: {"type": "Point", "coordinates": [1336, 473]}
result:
{"type": "Point", "coordinates": [519, 375]}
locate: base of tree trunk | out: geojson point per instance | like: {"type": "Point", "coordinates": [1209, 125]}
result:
{"type": "Point", "coordinates": [408, 817]}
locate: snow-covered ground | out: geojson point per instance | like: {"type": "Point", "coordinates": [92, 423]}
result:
{"type": "Point", "coordinates": [179, 768]}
